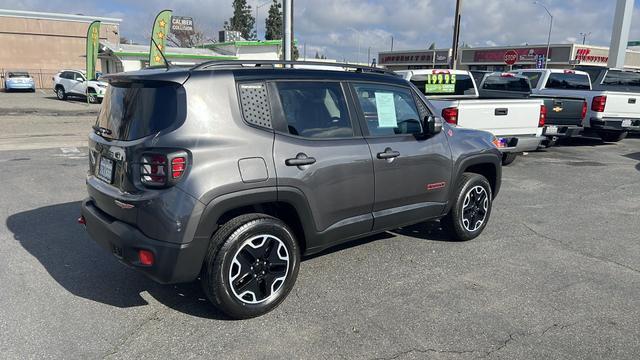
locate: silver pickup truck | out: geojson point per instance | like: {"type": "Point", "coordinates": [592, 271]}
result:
{"type": "Point", "coordinates": [517, 123]}
{"type": "Point", "coordinates": [613, 110]}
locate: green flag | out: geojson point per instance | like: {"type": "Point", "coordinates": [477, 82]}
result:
{"type": "Point", "coordinates": [159, 37]}
{"type": "Point", "coordinates": [93, 43]}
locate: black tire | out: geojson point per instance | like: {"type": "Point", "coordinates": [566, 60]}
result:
{"type": "Point", "coordinates": [613, 136]}
{"type": "Point", "coordinates": [60, 93]}
{"type": "Point", "coordinates": [92, 97]}
{"type": "Point", "coordinates": [229, 243]}
{"type": "Point", "coordinates": [468, 186]}
{"type": "Point", "coordinates": [508, 158]}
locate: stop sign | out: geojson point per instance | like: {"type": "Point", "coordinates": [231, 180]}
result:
{"type": "Point", "coordinates": [510, 57]}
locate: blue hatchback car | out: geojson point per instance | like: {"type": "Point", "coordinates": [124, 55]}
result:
{"type": "Point", "coordinates": [19, 80]}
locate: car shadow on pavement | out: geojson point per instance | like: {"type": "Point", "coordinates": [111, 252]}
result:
{"type": "Point", "coordinates": [634, 156]}
{"type": "Point", "coordinates": [52, 235]}
{"type": "Point", "coordinates": [582, 141]}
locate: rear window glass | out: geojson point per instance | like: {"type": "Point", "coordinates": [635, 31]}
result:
{"type": "Point", "coordinates": [534, 78]}
{"type": "Point", "coordinates": [444, 84]}
{"type": "Point", "coordinates": [568, 81]}
{"type": "Point", "coordinates": [506, 83]}
{"type": "Point", "coordinates": [135, 110]}
{"type": "Point", "coordinates": [18, 75]}
{"type": "Point", "coordinates": [622, 78]}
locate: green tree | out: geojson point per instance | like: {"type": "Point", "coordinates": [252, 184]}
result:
{"type": "Point", "coordinates": [274, 22]}
{"type": "Point", "coordinates": [242, 20]}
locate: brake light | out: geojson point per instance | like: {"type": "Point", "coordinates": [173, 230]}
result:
{"type": "Point", "coordinates": [178, 166]}
{"type": "Point", "coordinates": [450, 115]}
{"type": "Point", "coordinates": [507, 75]}
{"type": "Point", "coordinates": [569, 72]}
{"type": "Point", "coordinates": [598, 103]}
{"type": "Point", "coordinates": [543, 116]}
{"type": "Point", "coordinates": [153, 169]}
{"type": "Point", "coordinates": [584, 109]}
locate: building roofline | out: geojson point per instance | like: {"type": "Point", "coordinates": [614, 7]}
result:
{"type": "Point", "coordinates": [57, 16]}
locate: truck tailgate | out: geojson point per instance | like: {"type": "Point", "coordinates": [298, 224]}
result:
{"type": "Point", "coordinates": [501, 117]}
{"type": "Point", "coordinates": [563, 110]}
{"type": "Point", "coordinates": [622, 105]}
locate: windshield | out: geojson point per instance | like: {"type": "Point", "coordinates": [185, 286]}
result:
{"type": "Point", "coordinates": [18, 75]}
{"type": "Point", "coordinates": [134, 110]}
{"type": "Point", "coordinates": [440, 84]}
{"type": "Point", "coordinates": [506, 83]}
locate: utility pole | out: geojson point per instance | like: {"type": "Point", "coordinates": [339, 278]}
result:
{"type": "Point", "coordinates": [546, 60]}
{"type": "Point", "coordinates": [287, 24]}
{"type": "Point", "coordinates": [584, 37]}
{"type": "Point", "coordinates": [369, 56]}
{"type": "Point", "coordinates": [620, 33]}
{"type": "Point", "coordinates": [456, 35]}
{"type": "Point", "coordinates": [391, 43]}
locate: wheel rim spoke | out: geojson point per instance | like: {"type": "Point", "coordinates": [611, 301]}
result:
{"type": "Point", "coordinates": [475, 208]}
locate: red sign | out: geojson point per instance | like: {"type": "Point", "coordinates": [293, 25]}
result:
{"type": "Point", "coordinates": [584, 55]}
{"type": "Point", "coordinates": [510, 57]}
{"type": "Point", "coordinates": [498, 56]}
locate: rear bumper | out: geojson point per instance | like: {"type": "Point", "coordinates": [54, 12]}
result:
{"type": "Point", "coordinates": [614, 124]}
{"type": "Point", "coordinates": [518, 144]}
{"type": "Point", "coordinates": [173, 263]}
{"type": "Point", "coordinates": [22, 86]}
{"type": "Point", "coordinates": [562, 131]}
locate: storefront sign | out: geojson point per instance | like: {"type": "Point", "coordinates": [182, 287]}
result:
{"type": "Point", "coordinates": [181, 24]}
{"type": "Point", "coordinates": [585, 55]}
{"type": "Point", "coordinates": [498, 56]}
{"type": "Point", "coordinates": [425, 57]}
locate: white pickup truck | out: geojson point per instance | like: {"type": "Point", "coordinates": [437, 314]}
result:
{"type": "Point", "coordinates": [517, 123]}
{"type": "Point", "coordinates": [611, 113]}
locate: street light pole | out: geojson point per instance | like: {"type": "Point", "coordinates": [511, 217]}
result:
{"type": "Point", "coordinates": [287, 24]}
{"type": "Point", "coordinates": [456, 35]}
{"type": "Point", "coordinates": [546, 60]}
{"type": "Point", "coordinates": [584, 37]}
{"type": "Point", "coordinates": [258, 6]}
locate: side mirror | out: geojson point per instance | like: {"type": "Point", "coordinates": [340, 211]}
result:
{"type": "Point", "coordinates": [432, 125]}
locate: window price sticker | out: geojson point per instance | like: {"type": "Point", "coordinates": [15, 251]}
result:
{"type": "Point", "coordinates": [442, 83]}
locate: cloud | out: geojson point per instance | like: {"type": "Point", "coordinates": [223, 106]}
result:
{"type": "Point", "coordinates": [337, 28]}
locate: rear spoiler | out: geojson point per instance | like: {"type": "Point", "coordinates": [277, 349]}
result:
{"type": "Point", "coordinates": [179, 76]}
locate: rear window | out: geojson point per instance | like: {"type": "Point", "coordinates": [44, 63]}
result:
{"type": "Point", "coordinates": [568, 81]}
{"type": "Point", "coordinates": [135, 110]}
{"type": "Point", "coordinates": [506, 83]}
{"type": "Point", "coordinates": [534, 77]}
{"type": "Point", "coordinates": [18, 75]}
{"type": "Point", "coordinates": [622, 78]}
{"type": "Point", "coordinates": [444, 84]}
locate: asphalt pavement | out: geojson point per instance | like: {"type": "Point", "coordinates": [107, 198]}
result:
{"type": "Point", "coordinates": [555, 275]}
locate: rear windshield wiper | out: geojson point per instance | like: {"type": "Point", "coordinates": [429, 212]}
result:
{"type": "Point", "coordinates": [99, 130]}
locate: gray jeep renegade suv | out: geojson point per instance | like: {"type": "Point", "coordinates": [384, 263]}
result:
{"type": "Point", "coordinates": [231, 173]}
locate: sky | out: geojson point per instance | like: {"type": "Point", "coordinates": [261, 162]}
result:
{"type": "Point", "coordinates": [349, 29]}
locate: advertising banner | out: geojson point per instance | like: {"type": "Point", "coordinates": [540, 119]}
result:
{"type": "Point", "coordinates": [93, 44]}
{"type": "Point", "coordinates": [159, 38]}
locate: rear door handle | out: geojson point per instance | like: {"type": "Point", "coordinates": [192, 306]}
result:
{"type": "Point", "coordinates": [300, 160]}
{"type": "Point", "coordinates": [501, 111]}
{"type": "Point", "coordinates": [388, 154]}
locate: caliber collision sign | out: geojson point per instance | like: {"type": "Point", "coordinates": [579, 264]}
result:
{"type": "Point", "coordinates": [181, 24]}
{"type": "Point", "coordinates": [510, 57]}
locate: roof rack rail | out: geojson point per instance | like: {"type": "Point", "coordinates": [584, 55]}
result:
{"type": "Point", "coordinates": [275, 63]}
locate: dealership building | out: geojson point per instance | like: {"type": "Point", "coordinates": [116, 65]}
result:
{"type": "Point", "coordinates": [561, 56]}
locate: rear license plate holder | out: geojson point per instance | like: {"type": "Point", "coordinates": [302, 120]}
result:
{"type": "Point", "coordinates": [626, 123]}
{"type": "Point", "coordinates": [551, 130]}
{"type": "Point", "coordinates": [105, 170]}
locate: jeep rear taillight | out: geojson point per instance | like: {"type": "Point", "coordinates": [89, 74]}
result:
{"type": "Point", "coordinates": [584, 109]}
{"type": "Point", "coordinates": [543, 116]}
{"type": "Point", "coordinates": [450, 115]}
{"type": "Point", "coordinates": [161, 170]}
{"type": "Point", "coordinates": [598, 103]}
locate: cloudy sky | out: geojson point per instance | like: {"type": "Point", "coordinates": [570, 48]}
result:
{"type": "Point", "coordinates": [337, 28]}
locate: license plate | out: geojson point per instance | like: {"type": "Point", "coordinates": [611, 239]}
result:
{"type": "Point", "coordinates": [105, 170]}
{"type": "Point", "coordinates": [551, 130]}
{"type": "Point", "coordinates": [626, 122]}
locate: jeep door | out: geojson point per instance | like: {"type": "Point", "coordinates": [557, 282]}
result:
{"type": "Point", "coordinates": [412, 169]}
{"type": "Point", "coordinates": [319, 152]}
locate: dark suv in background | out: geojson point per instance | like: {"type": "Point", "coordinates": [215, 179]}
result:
{"type": "Point", "coordinates": [231, 171]}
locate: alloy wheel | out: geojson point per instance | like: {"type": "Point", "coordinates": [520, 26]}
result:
{"type": "Point", "coordinates": [475, 208]}
{"type": "Point", "coordinates": [259, 269]}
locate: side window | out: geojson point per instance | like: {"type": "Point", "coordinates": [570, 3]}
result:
{"type": "Point", "coordinates": [388, 110]}
{"type": "Point", "coordinates": [315, 109]}
{"type": "Point", "coordinates": [255, 104]}
{"type": "Point", "coordinates": [78, 76]}
{"type": "Point", "coordinates": [65, 75]}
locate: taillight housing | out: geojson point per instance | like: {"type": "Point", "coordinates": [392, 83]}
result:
{"type": "Point", "coordinates": [450, 115]}
{"type": "Point", "coordinates": [162, 169]}
{"type": "Point", "coordinates": [598, 103]}
{"type": "Point", "coordinates": [584, 109]}
{"type": "Point", "coordinates": [543, 116]}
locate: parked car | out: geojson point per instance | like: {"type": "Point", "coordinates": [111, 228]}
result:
{"type": "Point", "coordinates": [18, 80]}
{"type": "Point", "coordinates": [564, 114]}
{"type": "Point", "coordinates": [74, 83]}
{"type": "Point", "coordinates": [454, 94]}
{"type": "Point", "coordinates": [612, 113]}
{"type": "Point", "coordinates": [231, 173]}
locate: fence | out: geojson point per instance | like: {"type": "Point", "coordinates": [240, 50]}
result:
{"type": "Point", "coordinates": [42, 77]}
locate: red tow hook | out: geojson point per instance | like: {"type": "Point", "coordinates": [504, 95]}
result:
{"type": "Point", "coordinates": [82, 220]}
